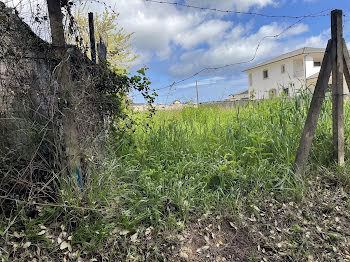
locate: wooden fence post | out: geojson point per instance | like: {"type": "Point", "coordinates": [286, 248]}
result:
{"type": "Point", "coordinates": [337, 60]}
{"type": "Point", "coordinates": [102, 51]}
{"type": "Point", "coordinates": [72, 152]}
{"type": "Point", "coordinates": [92, 37]}
{"type": "Point", "coordinates": [56, 17]}
{"type": "Point", "coordinates": [337, 87]}
{"type": "Point", "coordinates": [315, 109]}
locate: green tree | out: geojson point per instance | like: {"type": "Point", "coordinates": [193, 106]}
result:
{"type": "Point", "coordinates": [119, 53]}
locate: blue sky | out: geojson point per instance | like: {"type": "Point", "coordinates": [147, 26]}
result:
{"type": "Point", "coordinates": [175, 42]}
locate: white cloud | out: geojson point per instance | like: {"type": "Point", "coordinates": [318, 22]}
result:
{"type": "Point", "coordinates": [318, 40]}
{"type": "Point", "coordinates": [165, 32]}
{"type": "Point", "coordinates": [158, 26]}
{"type": "Point", "coordinates": [238, 5]}
{"type": "Point", "coordinates": [237, 46]}
{"type": "Point", "coordinates": [207, 32]}
{"type": "Point", "coordinates": [153, 31]}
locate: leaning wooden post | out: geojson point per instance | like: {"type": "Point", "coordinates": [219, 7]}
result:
{"type": "Point", "coordinates": [346, 64]}
{"type": "Point", "coordinates": [337, 87]}
{"type": "Point", "coordinates": [315, 109]}
{"type": "Point", "coordinates": [92, 37]}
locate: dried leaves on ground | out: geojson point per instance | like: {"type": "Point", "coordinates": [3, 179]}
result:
{"type": "Point", "coordinates": [317, 228]}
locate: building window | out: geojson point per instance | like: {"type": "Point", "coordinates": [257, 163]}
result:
{"type": "Point", "coordinates": [317, 63]}
{"type": "Point", "coordinates": [265, 74]}
{"type": "Point", "coordinates": [273, 92]}
{"type": "Point", "coordinates": [286, 91]}
{"type": "Point", "coordinates": [250, 79]}
{"type": "Point", "coordinates": [283, 69]}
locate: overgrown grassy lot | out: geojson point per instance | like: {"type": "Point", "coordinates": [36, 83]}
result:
{"type": "Point", "coordinates": [180, 168]}
{"type": "Point", "coordinates": [210, 157]}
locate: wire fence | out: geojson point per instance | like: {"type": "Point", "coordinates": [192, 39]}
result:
{"type": "Point", "coordinates": [30, 105]}
{"type": "Point", "coordinates": [255, 52]}
{"type": "Point", "coordinates": [33, 12]}
{"type": "Point", "coordinates": [30, 10]}
{"type": "Point", "coordinates": [233, 11]}
{"type": "Point", "coordinates": [299, 18]}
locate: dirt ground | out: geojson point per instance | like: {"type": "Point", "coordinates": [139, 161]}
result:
{"type": "Point", "coordinates": [316, 229]}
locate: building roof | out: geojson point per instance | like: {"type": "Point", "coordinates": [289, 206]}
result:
{"type": "Point", "coordinates": [242, 93]}
{"type": "Point", "coordinates": [313, 76]}
{"type": "Point", "coordinates": [245, 92]}
{"type": "Point", "coordinates": [301, 51]}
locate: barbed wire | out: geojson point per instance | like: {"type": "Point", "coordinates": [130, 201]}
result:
{"type": "Point", "coordinates": [300, 18]}
{"type": "Point", "coordinates": [231, 11]}
{"type": "Point", "coordinates": [109, 7]}
{"type": "Point", "coordinates": [247, 61]}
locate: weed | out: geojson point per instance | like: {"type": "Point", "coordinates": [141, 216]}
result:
{"type": "Point", "coordinates": [189, 163]}
{"type": "Point", "coordinates": [211, 157]}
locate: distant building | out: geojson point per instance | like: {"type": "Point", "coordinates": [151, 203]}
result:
{"type": "Point", "coordinates": [286, 73]}
{"type": "Point", "coordinates": [176, 102]}
{"type": "Point", "coordinates": [244, 95]}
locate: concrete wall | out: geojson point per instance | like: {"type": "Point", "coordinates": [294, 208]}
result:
{"type": "Point", "coordinates": [228, 104]}
{"type": "Point", "coordinates": [30, 97]}
{"type": "Point", "coordinates": [170, 107]}
{"type": "Point", "coordinates": [311, 83]}
{"type": "Point", "coordinates": [164, 107]}
{"type": "Point", "coordinates": [310, 69]}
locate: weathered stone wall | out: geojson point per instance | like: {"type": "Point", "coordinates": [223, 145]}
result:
{"type": "Point", "coordinates": [31, 101]}
{"type": "Point", "coordinates": [25, 93]}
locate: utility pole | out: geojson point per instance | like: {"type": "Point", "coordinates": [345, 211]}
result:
{"type": "Point", "coordinates": [197, 93]}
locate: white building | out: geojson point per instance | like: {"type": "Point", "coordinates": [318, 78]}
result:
{"type": "Point", "coordinates": [244, 95]}
{"type": "Point", "coordinates": [286, 73]}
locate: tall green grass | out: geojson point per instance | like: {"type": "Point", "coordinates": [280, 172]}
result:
{"type": "Point", "coordinates": [179, 165]}
{"type": "Point", "coordinates": [210, 157]}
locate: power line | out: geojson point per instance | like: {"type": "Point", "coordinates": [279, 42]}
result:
{"type": "Point", "coordinates": [232, 11]}
{"type": "Point", "coordinates": [242, 62]}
